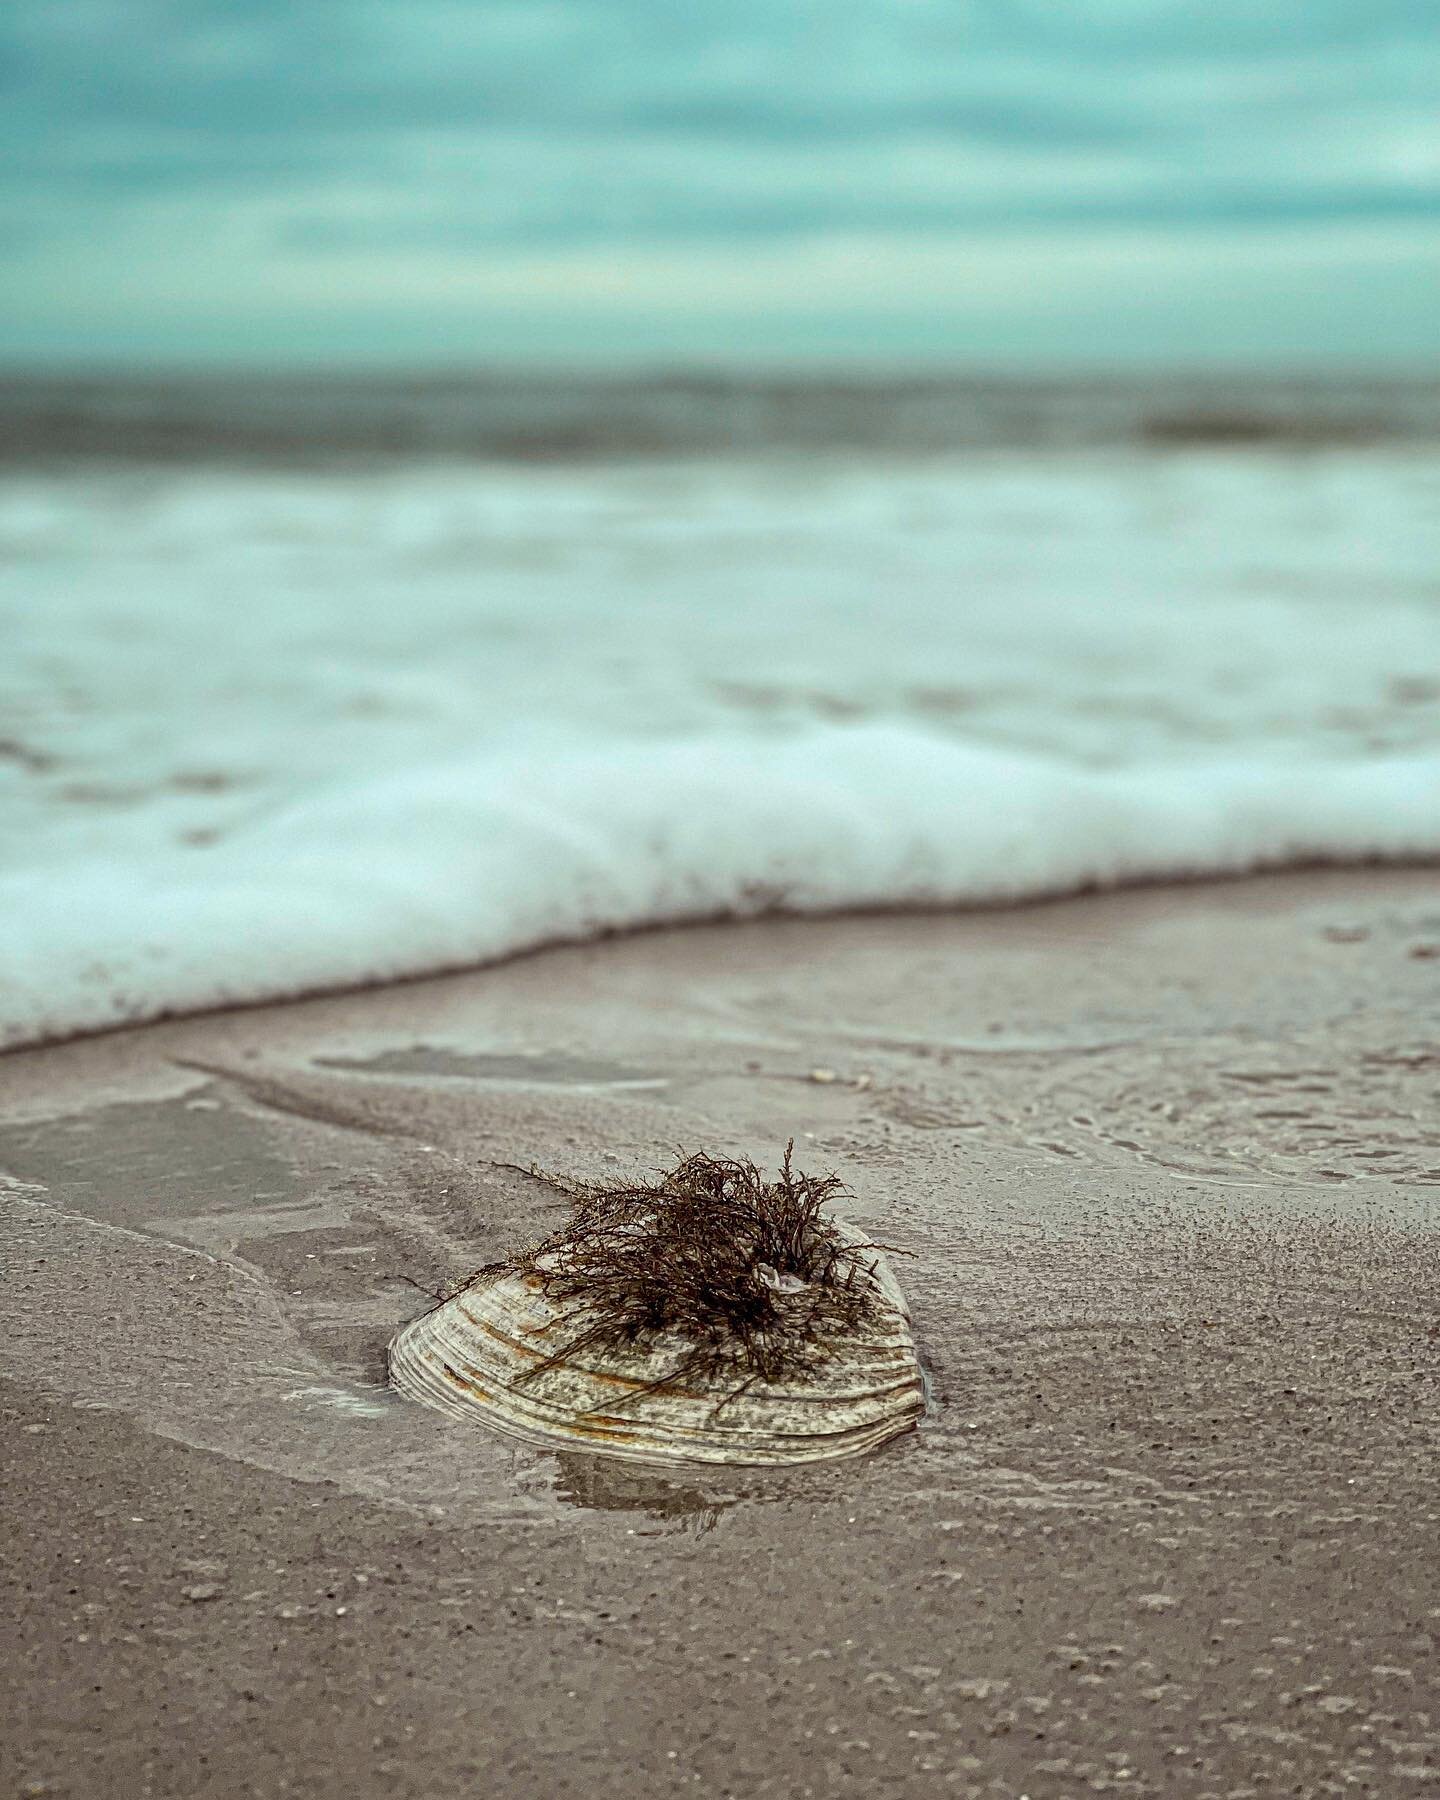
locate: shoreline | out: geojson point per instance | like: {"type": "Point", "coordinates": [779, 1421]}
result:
{"type": "Point", "coordinates": [1163, 1161]}
{"type": "Point", "coordinates": [983, 908]}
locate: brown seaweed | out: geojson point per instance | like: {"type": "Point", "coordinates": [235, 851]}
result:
{"type": "Point", "coordinates": [747, 1271]}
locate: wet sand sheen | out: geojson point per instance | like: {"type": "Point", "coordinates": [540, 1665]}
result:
{"type": "Point", "coordinates": [1165, 1165]}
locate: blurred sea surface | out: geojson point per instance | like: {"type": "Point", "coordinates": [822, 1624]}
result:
{"type": "Point", "coordinates": [314, 681]}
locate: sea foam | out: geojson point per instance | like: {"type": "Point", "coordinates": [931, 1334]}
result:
{"type": "Point", "coordinates": [459, 864]}
{"type": "Point", "coordinates": [268, 733]}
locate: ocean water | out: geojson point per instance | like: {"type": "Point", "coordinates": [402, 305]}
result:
{"type": "Point", "coordinates": [389, 686]}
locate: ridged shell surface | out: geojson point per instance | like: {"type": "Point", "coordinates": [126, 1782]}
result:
{"type": "Point", "coordinates": [485, 1355]}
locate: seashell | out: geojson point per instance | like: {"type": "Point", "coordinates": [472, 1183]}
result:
{"type": "Point", "coordinates": [524, 1350]}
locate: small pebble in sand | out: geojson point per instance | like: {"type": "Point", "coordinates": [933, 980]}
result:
{"type": "Point", "coordinates": [1155, 1602]}
{"type": "Point", "coordinates": [780, 1281]}
{"type": "Point", "coordinates": [824, 1076]}
{"type": "Point", "coordinates": [1424, 952]}
{"type": "Point", "coordinates": [202, 1590]}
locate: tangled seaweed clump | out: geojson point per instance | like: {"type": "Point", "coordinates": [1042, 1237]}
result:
{"type": "Point", "coordinates": [750, 1276]}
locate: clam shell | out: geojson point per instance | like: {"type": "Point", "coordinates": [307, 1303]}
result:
{"type": "Point", "coordinates": [477, 1356]}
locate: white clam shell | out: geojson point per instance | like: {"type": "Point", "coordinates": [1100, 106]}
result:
{"type": "Point", "coordinates": [478, 1357]}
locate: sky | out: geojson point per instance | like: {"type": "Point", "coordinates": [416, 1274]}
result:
{"type": "Point", "coordinates": [1011, 184]}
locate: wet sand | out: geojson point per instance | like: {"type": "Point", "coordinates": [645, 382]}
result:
{"type": "Point", "coordinates": [1164, 1170]}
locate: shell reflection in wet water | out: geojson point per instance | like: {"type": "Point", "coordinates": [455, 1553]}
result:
{"type": "Point", "coordinates": [709, 1317]}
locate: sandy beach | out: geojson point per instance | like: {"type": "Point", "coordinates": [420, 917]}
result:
{"type": "Point", "coordinates": [1160, 1171]}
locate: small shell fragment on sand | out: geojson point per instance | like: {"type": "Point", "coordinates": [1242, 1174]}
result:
{"type": "Point", "coordinates": [711, 1317]}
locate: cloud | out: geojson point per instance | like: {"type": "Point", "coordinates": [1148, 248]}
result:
{"type": "Point", "coordinates": [186, 136]}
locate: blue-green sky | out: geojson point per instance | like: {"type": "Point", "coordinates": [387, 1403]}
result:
{"type": "Point", "coordinates": [1011, 183]}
